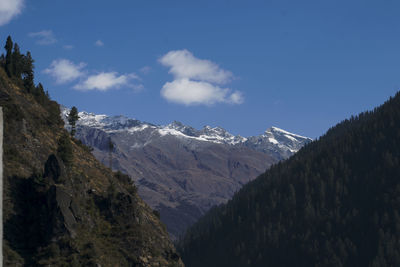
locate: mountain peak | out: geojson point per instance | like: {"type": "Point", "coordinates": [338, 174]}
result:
{"type": "Point", "coordinates": [277, 130]}
{"type": "Point", "coordinates": [182, 128]}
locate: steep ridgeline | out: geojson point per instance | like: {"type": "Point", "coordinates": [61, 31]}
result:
{"type": "Point", "coordinates": [180, 171]}
{"type": "Point", "coordinates": [62, 207]}
{"type": "Point", "coordinates": [334, 203]}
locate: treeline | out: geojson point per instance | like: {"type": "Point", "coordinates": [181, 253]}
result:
{"type": "Point", "coordinates": [19, 68]}
{"type": "Point", "coordinates": [335, 203]}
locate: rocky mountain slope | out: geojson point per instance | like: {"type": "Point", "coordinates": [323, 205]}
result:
{"type": "Point", "coordinates": [180, 171]}
{"type": "Point", "coordinates": [62, 207]}
{"type": "Point", "coordinates": [334, 203]}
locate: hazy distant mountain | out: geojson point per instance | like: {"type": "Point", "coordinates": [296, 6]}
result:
{"type": "Point", "coordinates": [182, 171]}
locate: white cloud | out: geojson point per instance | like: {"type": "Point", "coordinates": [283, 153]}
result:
{"type": "Point", "coordinates": [183, 64]}
{"type": "Point", "coordinates": [64, 70]}
{"type": "Point", "coordinates": [196, 81]}
{"type": "Point", "coordinates": [9, 9]}
{"type": "Point", "coordinates": [106, 80]}
{"type": "Point", "coordinates": [236, 98]}
{"type": "Point", "coordinates": [187, 92]}
{"type": "Point", "coordinates": [99, 43]}
{"type": "Point", "coordinates": [145, 70]}
{"type": "Point", "coordinates": [45, 37]}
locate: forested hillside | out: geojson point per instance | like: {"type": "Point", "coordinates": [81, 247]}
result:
{"type": "Point", "coordinates": [61, 206]}
{"type": "Point", "coordinates": [334, 203]}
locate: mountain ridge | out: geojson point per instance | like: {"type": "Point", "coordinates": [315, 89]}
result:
{"type": "Point", "coordinates": [208, 134]}
{"type": "Point", "coordinates": [181, 171]}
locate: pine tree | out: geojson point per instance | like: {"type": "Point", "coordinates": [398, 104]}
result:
{"type": "Point", "coordinates": [39, 89]}
{"type": "Point", "coordinates": [9, 47]}
{"type": "Point", "coordinates": [2, 61]}
{"type": "Point", "coordinates": [39, 94]}
{"type": "Point", "coordinates": [65, 148]}
{"type": "Point", "coordinates": [28, 75]}
{"type": "Point", "coordinates": [17, 62]}
{"type": "Point", "coordinates": [72, 119]}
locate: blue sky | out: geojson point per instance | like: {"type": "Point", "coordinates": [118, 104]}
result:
{"type": "Point", "coordinates": [243, 65]}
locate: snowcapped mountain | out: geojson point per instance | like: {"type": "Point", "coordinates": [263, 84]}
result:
{"type": "Point", "coordinates": [104, 122]}
{"type": "Point", "coordinates": [115, 124]}
{"type": "Point", "coordinates": [274, 140]}
{"type": "Point", "coordinates": [179, 170]}
{"type": "Point", "coordinates": [277, 142]}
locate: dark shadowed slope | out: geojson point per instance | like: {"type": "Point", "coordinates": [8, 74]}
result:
{"type": "Point", "coordinates": [334, 203]}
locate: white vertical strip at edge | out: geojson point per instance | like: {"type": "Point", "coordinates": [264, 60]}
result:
{"type": "Point", "coordinates": [1, 186]}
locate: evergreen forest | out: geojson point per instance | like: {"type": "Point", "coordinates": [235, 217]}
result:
{"type": "Point", "coordinates": [334, 203]}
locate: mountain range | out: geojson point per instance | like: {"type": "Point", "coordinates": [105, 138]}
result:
{"type": "Point", "coordinates": [181, 171]}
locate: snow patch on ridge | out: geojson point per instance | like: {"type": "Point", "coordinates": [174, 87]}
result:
{"type": "Point", "coordinates": [276, 129]}
{"type": "Point", "coordinates": [273, 140]}
{"type": "Point", "coordinates": [138, 128]}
